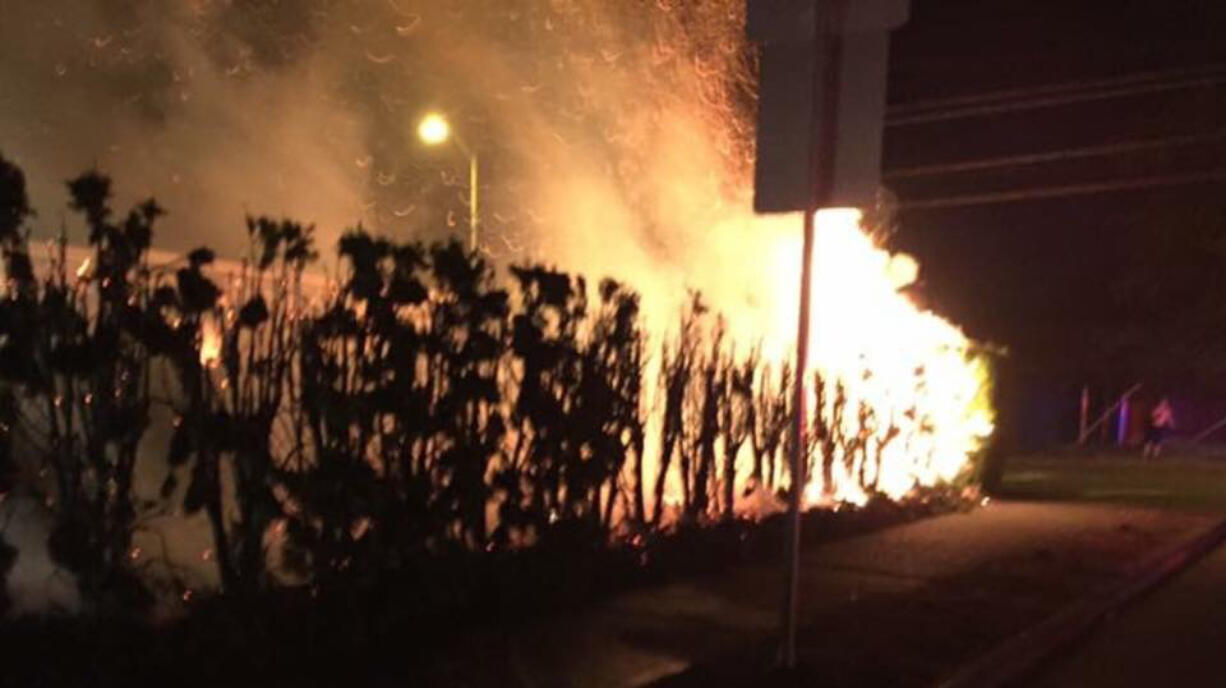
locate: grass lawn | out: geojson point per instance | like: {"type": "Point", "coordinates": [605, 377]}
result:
{"type": "Point", "coordinates": [1180, 479]}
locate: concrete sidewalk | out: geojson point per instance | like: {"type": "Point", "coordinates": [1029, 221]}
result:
{"type": "Point", "coordinates": [1176, 636]}
{"type": "Point", "coordinates": [977, 577]}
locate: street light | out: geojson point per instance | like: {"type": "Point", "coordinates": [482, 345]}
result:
{"type": "Point", "coordinates": [435, 130]}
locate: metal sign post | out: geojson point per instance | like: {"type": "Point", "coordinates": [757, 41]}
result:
{"type": "Point", "coordinates": [821, 112]}
{"type": "Point", "coordinates": [827, 71]}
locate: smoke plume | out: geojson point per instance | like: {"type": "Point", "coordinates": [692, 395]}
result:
{"type": "Point", "coordinates": [613, 137]}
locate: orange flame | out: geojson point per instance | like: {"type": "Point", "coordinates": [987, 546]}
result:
{"type": "Point", "coordinates": [210, 344]}
{"type": "Point", "coordinates": [914, 372]}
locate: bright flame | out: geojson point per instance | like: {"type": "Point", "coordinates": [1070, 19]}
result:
{"type": "Point", "coordinates": [434, 129]}
{"type": "Point", "coordinates": [923, 387]}
{"type": "Point", "coordinates": [914, 373]}
{"type": "Point", "coordinates": [210, 344]}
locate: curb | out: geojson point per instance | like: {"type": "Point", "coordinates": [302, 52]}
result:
{"type": "Point", "coordinates": [1020, 656]}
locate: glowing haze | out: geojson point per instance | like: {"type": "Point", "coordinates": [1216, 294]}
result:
{"type": "Point", "coordinates": [615, 139]}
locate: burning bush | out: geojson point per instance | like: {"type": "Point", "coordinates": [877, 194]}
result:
{"type": "Point", "coordinates": [426, 409]}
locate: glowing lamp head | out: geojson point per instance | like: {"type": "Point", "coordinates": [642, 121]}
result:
{"type": "Point", "coordinates": [434, 130]}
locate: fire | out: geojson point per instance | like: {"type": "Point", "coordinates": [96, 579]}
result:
{"type": "Point", "coordinates": [210, 344]}
{"type": "Point", "coordinates": [914, 372]}
{"type": "Point", "coordinates": [923, 385]}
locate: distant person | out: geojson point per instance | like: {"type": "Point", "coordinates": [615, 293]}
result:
{"type": "Point", "coordinates": [1161, 423]}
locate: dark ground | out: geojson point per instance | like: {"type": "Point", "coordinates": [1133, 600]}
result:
{"type": "Point", "coordinates": [898, 606]}
{"type": "Point", "coordinates": [369, 637]}
{"type": "Point", "coordinates": [1173, 637]}
{"type": "Point", "coordinates": [916, 636]}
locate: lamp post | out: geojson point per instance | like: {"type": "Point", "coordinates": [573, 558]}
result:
{"type": "Point", "coordinates": [435, 130]}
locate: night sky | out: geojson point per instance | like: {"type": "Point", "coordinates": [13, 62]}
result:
{"type": "Point", "coordinates": [1110, 288]}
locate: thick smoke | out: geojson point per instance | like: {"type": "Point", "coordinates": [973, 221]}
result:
{"type": "Point", "coordinates": [613, 136]}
